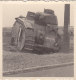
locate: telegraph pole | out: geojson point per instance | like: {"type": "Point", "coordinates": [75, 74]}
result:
{"type": "Point", "coordinates": [66, 38]}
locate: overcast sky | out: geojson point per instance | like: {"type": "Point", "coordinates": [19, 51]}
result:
{"type": "Point", "coordinates": [10, 11]}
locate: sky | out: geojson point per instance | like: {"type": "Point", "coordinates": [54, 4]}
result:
{"type": "Point", "coordinates": [11, 11]}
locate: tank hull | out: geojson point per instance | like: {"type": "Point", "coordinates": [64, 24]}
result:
{"type": "Point", "coordinates": [34, 35]}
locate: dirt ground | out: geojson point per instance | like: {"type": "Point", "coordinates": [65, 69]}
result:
{"type": "Point", "coordinates": [15, 60]}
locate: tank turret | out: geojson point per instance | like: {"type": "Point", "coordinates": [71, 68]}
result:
{"type": "Point", "coordinates": [48, 11]}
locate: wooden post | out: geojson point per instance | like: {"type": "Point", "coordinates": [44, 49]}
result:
{"type": "Point", "coordinates": [66, 38]}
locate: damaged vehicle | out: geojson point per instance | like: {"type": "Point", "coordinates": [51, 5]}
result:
{"type": "Point", "coordinates": [37, 31]}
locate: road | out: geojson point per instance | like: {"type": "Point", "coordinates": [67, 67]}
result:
{"type": "Point", "coordinates": [65, 71]}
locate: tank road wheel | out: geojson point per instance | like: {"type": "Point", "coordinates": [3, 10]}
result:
{"type": "Point", "coordinates": [21, 39]}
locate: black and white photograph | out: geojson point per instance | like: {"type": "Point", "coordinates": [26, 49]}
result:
{"type": "Point", "coordinates": [38, 40]}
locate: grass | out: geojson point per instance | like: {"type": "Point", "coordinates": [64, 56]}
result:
{"type": "Point", "coordinates": [14, 60]}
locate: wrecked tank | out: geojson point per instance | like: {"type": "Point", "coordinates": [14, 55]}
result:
{"type": "Point", "coordinates": [37, 31]}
